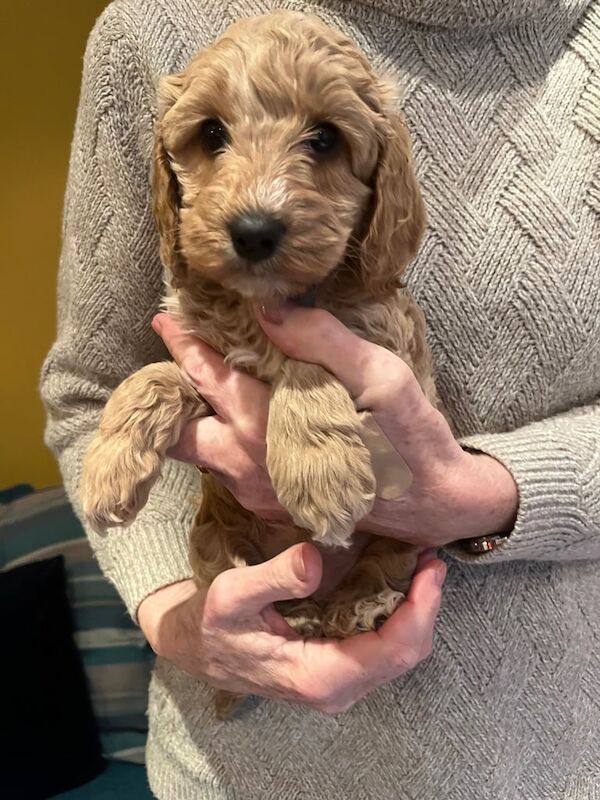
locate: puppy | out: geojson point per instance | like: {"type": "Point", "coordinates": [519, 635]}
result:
{"type": "Point", "coordinates": [281, 170]}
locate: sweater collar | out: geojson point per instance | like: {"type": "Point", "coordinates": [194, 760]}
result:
{"type": "Point", "coordinates": [456, 14]}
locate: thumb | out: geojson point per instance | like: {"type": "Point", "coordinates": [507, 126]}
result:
{"type": "Point", "coordinates": [245, 591]}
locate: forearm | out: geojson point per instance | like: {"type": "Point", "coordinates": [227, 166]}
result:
{"type": "Point", "coordinates": [110, 283]}
{"type": "Point", "coordinates": [154, 609]}
{"type": "Point", "coordinates": [153, 552]}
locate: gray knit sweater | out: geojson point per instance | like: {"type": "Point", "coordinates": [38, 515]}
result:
{"type": "Point", "coordinates": [503, 101]}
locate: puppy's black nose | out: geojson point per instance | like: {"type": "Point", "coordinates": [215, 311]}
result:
{"type": "Point", "coordinates": [256, 235]}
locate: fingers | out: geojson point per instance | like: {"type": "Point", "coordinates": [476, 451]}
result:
{"type": "Point", "coordinates": [328, 675]}
{"type": "Point", "coordinates": [230, 392]}
{"type": "Point", "coordinates": [340, 673]}
{"type": "Point", "coordinates": [241, 593]}
{"type": "Point", "coordinates": [205, 442]}
{"type": "Point", "coordinates": [371, 373]}
{"type": "Point", "coordinates": [426, 555]}
{"type": "Point", "coordinates": [203, 365]}
{"type": "Point", "coordinates": [235, 459]}
{"type": "Point", "coordinates": [408, 633]}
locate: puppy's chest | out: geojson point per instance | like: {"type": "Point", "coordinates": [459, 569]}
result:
{"type": "Point", "coordinates": [230, 328]}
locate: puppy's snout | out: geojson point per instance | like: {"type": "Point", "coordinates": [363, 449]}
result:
{"type": "Point", "coordinates": [256, 235]}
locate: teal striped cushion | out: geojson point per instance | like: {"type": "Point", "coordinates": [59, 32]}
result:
{"type": "Point", "coordinates": [116, 657]}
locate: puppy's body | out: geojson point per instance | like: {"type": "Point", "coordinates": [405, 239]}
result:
{"type": "Point", "coordinates": [284, 120]}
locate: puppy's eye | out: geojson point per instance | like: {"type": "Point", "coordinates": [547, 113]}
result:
{"type": "Point", "coordinates": [214, 135]}
{"type": "Point", "coordinates": [325, 139]}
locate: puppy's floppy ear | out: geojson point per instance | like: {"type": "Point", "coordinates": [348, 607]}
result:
{"type": "Point", "coordinates": [165, 187]}
{"type": "Point", "coordinates": [398, 213]}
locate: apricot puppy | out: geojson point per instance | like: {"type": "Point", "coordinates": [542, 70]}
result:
{"type": "Point", "coordinates": [281, 170]}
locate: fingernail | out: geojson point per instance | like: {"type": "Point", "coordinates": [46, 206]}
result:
{"type": "Point", "coordinates": [275, 313]}
{"type": "Point", "coordinates": [300, 565]}
{"type": "Point", "coordinates": [440, 574]}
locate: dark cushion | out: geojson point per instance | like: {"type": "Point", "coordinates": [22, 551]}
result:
{"type": "Point", "coordinates": [48, 737]}
{"type": "Point", "coordinates": [119, 781]}
{"type": "Point", "coordinates": [116, 657]}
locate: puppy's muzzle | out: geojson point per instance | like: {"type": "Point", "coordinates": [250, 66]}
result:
{"type": "Point", "coordinates": [256, 235]}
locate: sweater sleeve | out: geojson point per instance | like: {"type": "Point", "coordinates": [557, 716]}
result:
{"type": "Point", "coordinates": [556, 465]}
{"type": "Point", "coordinates": [109, 287]}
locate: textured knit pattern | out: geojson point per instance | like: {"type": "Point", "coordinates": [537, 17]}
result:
{"type": "Point", "coordinates": [503, 101]}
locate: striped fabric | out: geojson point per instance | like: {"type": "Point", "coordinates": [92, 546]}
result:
{"type": "Point", "coordinates": [115, 655]}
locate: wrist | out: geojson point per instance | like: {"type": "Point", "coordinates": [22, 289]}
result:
{"type": "Point", "coordinates": [154, 608]}
{"type": "Point", "coordinates": [492, 498]}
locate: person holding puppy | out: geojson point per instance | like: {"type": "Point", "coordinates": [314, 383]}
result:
{"type": "Point", "coordinates": [506, 703]}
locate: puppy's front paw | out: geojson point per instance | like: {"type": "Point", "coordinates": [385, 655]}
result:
{"type": "Point", "coordinates": [116, 481]}
{"type": "Point", "coordinates": [326, 489]}
{"type": "Point", "coordinates": [318, 464]}
{"type": "Point", "coordinates": [142, 419]}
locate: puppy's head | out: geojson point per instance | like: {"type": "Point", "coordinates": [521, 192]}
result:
{"type": "Point", "coordinates": [278, 157]}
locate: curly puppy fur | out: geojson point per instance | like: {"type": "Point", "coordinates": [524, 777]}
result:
{"type": "Point", "coordinates": [352, 219]}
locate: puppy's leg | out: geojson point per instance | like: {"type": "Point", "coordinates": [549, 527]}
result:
{"type": "Point", "coordinates": [224, 534]}
{"type": "Point", "coordinates": [372, 590]}
{"type": "Point", "coordinates": [318, 464]}
{"type": "Point", "coordinates": [142, 419]}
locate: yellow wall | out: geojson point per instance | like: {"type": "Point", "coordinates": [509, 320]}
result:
{"type": "Point", "coordinates": [41, 49]}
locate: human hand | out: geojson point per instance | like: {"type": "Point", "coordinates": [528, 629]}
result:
{"type": "Point", "coordinates": [231, 636]}
{"type": "Point", "coordinates": [231, 444]}
{"type": "Point", "coordinates": [453, 494]}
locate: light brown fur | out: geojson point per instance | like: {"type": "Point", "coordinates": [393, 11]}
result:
{"type": "Point", "coordinates": [354, 220]}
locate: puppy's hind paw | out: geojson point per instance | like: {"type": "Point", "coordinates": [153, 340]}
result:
{"type": "Point", "coordinates": [304, 616]}
{"type": "Point", "coordinates": [348, 615]}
